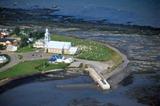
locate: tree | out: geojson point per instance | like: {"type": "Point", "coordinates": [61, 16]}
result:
{"type": "Point", "coordinates": [17, 31]}
{"type": "Point", "coordinates": [24, 41]}
{"type": "Point", "coordinates": [2, 47]}
{"type": "Point", "coordinates": [36, 35]}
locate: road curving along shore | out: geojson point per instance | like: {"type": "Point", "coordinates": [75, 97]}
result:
{"type": "Point", "coordinates": [98, 65]}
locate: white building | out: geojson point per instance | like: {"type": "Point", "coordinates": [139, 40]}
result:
{"type": "Point", "coordinates": [3, 59]}
{"type": "Point", "coordinates": [39, 44]}
{"type": "Point", "coordinates": [11, 48]}
{"type": "Point", "coordinates": [58, 47]}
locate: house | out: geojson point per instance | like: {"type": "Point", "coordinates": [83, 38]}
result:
{"type": "Point", "coordinates": [8, 41]}
{"type": "Point", "coordinates": [39, 44]}
{"type": "Point", "coordinates": [60, 59]}
{"type": "Point", "coordinates": [56, 58]}
{"type": "Point", "coordinates": [3, 34]}
{"type": "Point", "coordinates": [11, 48]}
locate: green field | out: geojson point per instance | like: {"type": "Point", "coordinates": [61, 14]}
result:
{"type": "Point", "coordinates": [30, 67]}
{"type": "Point", "coordinates": [91, 50]}
{"type": "Point", "coordinates": [25, 49]}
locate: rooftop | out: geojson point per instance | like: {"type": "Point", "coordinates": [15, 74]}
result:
{"type": "Point", "coordinates": [59, 44]}
{"type": "Point", "coordinates": [7, 39]}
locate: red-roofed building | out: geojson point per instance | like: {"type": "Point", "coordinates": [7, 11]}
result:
{"type": "Point", "coordinates": [4, 34]}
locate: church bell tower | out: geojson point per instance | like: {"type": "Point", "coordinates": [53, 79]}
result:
{"type": "Point", "coordinates": [46, 39]}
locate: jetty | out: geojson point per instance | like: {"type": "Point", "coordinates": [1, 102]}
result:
{"type": "Point", "coordinates": [98, 78]}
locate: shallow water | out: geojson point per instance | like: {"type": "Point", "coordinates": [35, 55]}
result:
{"type": "Point", "coordinates": [138, 12]}
{"type": "Point", "coordinates": [46, 94]}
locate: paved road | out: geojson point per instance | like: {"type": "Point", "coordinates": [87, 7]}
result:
{"type": "Point", "coordinates": [15, 58]}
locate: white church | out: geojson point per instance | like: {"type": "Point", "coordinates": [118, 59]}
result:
{"type": "Point", "coordinates": [56, 47]}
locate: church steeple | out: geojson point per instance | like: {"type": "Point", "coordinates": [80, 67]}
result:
{"type": "Point", "coordinates": [47, 36]}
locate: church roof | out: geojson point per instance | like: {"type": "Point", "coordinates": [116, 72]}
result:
{"type": "Point", "coordinates": [58, 45]}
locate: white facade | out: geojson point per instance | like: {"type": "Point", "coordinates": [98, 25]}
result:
{"type": "Point", "coordinates": [59, 45]}
{"type": "Point", "coordinates": [39, 44]}
{"type": "Point", "coordinates": [11, 48]}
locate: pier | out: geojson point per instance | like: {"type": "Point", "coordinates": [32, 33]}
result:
{"type": "Point", "coordinates": [102, 83]}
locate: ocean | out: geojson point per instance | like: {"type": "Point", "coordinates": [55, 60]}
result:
{"type": "Point", "coordinates": [133, 12]}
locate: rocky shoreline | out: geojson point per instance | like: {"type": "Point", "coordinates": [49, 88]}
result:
{"type": "Point", "coordinates": [41, 17]}
{"type": "Point", "coordinates": [10, 83]}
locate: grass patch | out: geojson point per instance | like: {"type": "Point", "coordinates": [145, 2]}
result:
{"type": "Point", "coordinates": [91, 50]}
{"type": "Point", "coordinates": [30, 67]}
{"type": "Point", "coordinates": [28, 48]}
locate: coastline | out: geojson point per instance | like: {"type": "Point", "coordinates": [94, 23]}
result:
{"type": "Point", "coordinates": [119, 69]}
{"type": "Point", "coordinates": [8, 80]}
{"type": "Point", "coordinates": [42, 17]}
{"type": "Point", "coordinates": [134, 82]}
{"type": "Point", "coordinates": [58, 74]}
{"type": "Point", "coordinates": [116, 70]}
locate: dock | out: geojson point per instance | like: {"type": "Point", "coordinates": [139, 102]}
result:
{"type": "Point", "coordinates": [102, 82]}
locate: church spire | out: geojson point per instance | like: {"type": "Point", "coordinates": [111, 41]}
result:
{"type": "Point", "coordinates": [47, 36]}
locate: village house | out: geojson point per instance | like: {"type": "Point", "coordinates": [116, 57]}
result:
{"type": "Point", "coordinates": [39, 43]}
{"type": "Point", "coordinates": [4, 34]}
{"type": "Point", "coordinates": [11, 44]}
{"type": "Point", "coordinates": [8, 41]}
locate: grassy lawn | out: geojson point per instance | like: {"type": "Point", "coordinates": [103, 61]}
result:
{"type": "Point", "coordinates": [91, 50]}
{"type": "Point", "coordinates": [26, 49]}
{"type": "Point", "coordinates": [30, 67]}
